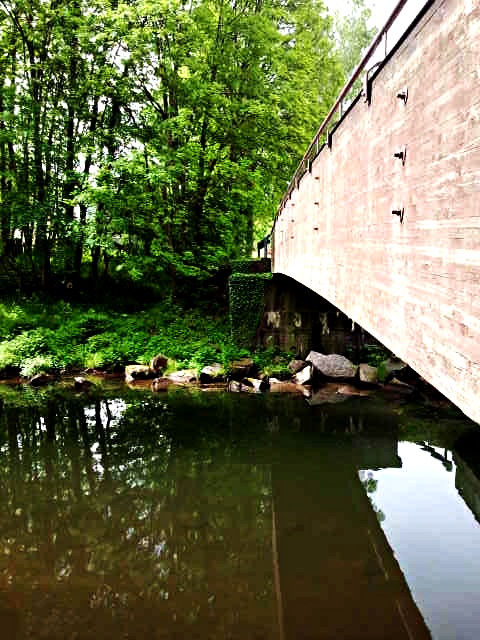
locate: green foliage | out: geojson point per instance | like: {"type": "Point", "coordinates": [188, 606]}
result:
{"type": "Point", "coordinates": [273, 362]}
{"type": "Point", "coordinates": [37, 364]}
{"type": "Point", "coordinates": [247, 294]}
{"type": "Point", "coordinates": [249, 265]}
{"type": "Point", "coordinates": [79, 337]}
{"type": "Point", "coordinates": [352, 36]}
{"type": "Point", "coordinates": [151, 141]}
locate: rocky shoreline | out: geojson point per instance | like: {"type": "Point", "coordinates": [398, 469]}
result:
{"type": "Point", "coordinates": [319, 378]}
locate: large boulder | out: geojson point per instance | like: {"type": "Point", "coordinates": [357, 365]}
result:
{"type": "Point", "coordinates": [138, 372]}
{"type": "Point", "coordinates": [332, 366]}
{"type": "Point", "coordinates": [212, 373]}
{"type": "Point", "coordinates": [184, 376]}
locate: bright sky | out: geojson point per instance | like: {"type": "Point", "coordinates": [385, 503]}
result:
{"type": "Point", "coordinates": [381, 10]}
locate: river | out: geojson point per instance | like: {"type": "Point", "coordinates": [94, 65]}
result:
{"type": "Point", "coordinates": [235, 516]}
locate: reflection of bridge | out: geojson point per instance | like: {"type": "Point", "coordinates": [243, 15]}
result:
{"type": "Point", "coordinates": [410, 147]}
{"type": "Point", "coordinates": [335, 573]}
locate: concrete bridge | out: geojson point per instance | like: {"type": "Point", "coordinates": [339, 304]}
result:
{"type": "Point", "coordinates": [382, 218]}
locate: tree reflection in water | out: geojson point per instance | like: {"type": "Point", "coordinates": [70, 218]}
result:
{"type": "Point", "coordinates": [193, 516]}
{"type": "Point", "coordinates": [112, 525]}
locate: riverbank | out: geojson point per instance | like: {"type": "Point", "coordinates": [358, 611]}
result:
{"type": "Point", "coordinates": [62, 338]}
{"type": "Point", "coordinates": [58, 341]}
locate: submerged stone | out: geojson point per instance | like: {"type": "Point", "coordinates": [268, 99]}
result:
{"type": "Point", "coordinates": [82, 384]}
{"type": "Point", "coordinates": [42, 379]}
{"type": "Point", "coordinates": [160, 384]}
{"type": "Point", "coordinates": [184, 376]}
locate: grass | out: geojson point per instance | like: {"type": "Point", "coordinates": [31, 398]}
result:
{"type": "Point", "coordinates": [61, 336]}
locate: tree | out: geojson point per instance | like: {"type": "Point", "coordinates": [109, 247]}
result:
{"type": "Point", "coordinates": [153, 136]}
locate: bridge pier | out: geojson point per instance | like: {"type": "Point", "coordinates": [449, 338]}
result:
{"type": "Point", "coordinates": [297, 319]}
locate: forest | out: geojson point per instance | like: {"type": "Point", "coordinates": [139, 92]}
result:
{"type": "Point", "coordinates": [145, 145]}
{"type": "Point", "coordinates": [154, 140]}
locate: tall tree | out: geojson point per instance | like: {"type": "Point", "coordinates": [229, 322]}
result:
{"type": "Point", "coordinates": [153, 136]}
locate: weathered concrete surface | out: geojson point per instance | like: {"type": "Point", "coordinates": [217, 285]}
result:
{"type": "Point", "coordinates": [297, 319]}
{"type": "Point", "coordinates": [414, 285]}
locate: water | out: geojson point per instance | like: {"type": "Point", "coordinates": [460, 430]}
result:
{"type": "Point", "coordinates": [233, 517]}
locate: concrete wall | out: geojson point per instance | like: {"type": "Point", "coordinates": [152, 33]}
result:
{"type": "Point", "coordinates": [297, 319]}
{"type": "Point", "coordinates": [413, 285]}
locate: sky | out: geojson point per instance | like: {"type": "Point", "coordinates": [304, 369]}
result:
{"type": "Point", "coordinates": [381, 10]}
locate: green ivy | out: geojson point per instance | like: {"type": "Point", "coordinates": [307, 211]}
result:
{"type": "Point", "coordinates": [251, 266]}
{"type": "Point", "coordinates": [247, 295]}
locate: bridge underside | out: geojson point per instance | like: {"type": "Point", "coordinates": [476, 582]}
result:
{"type": "Point", "coordinates": [412, 281]}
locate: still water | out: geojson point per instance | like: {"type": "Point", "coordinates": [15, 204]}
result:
{"type": "Point", "coordinates": [220, 516]}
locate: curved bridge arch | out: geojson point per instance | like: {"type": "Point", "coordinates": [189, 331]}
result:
{"type": "Point", "coordinates": [394, 242]}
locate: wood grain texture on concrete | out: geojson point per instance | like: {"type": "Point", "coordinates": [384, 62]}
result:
{"type": "Point", "coordinates": [414, 285]}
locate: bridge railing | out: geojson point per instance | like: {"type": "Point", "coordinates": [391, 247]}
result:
{"type": "Point", "coordinates": [324, 129]}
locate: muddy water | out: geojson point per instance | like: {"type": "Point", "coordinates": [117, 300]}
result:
{"type": "Point", "coordinates": [194, 515]}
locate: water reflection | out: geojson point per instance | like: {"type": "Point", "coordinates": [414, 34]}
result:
{"type": "Point", "coordinates": [432, 508]}
{"type": "Point", "coordinates": [198, 516]}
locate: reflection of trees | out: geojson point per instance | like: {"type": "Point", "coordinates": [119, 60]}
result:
{"type": "Point", "coordinates": [370, 484]}
{"type": "Point", "coordinates": [117, 527]}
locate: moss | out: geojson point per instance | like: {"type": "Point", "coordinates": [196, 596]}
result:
{"type": "Point", "coordinates": [247, 295]}
{"type": "Point", "coordinates": [382, 372]}
{"type": "Point", "coordinates": [251, 266]}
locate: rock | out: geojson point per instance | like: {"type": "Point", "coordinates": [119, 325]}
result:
{"type": "Point", "coordinates": [41, 379]}
{"type": "Point", "coordinates": [367, 374]}
{"type": "Point", "coordinates": [327, 395]}
{"type": "Point", "coordinates": [159, 363]}
{"type": "Point", "coordinates": [304, 376]}
{"type": "Point", "coordinates": [241, 368]}
{"type": "Point", "coordinates": [237, 387]}
{"type": "Point", "coordinates": [184, 376]}
{"type": "Point", "coordinates": [138, 372]}
{"type": "Point", "coordinates": [160, 384]}
{"type": "Point", "coordinates": [397, 390]}
{"type": "Point", "coordinates": [212, 373]}
{"type": "Point", "coordinates": [285, 387]}
{"type": "Point", "coordinates": [82, 384]}
{"type": "Point", "coordinates": [401, 383]}
{"type": "Point", "coordinates": [349, 390]}
{"type": "Point", "coordinates": [390, 368]}
{"type": "Point", "coordinates": [296, 365]}
{"type": "Point", "coordinates": [10, 371]}
{"type": "Point", "coordinates": [258, 385]}
{"type": "Point", "coordinates": [332, 366]}
{"type": "Point", "coordinates": [410, 376]}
